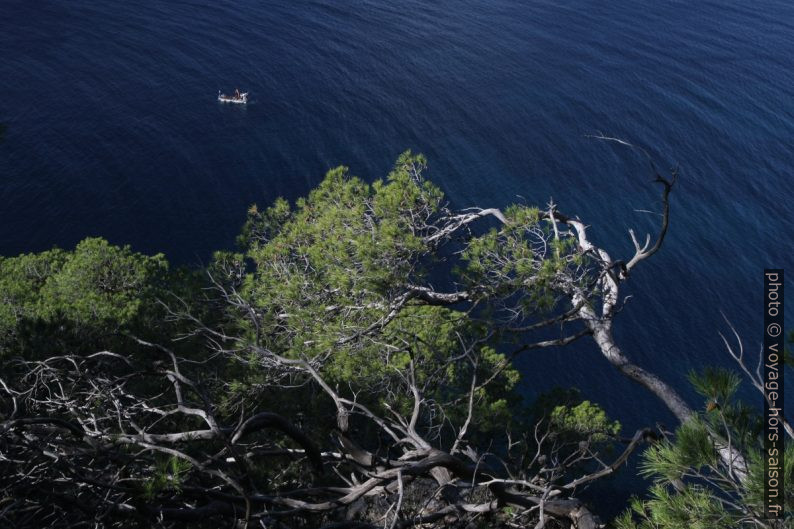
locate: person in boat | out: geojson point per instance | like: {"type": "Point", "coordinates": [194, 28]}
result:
{"type": "Point", "coordinates": [237, 93]}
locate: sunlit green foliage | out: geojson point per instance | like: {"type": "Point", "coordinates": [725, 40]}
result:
{"type": "Point", "coordinates": [586, 419]}
{"type": "Point", "coordinates": [96, 289]}
{"type": "Point", "coordinates": [332, 265]}
{"type": "Point", "coordinates": [99, 282]}
{"type": "Point", "coordinates": [329, 279]}
{"type": "Point", "coordinates": [691, 449]}
{"type": "Point", "coordinates": [21, 280]}
{"type": "Point", "coordinates": [692, 507]}
{"type": "Point", "coordinates": [693, 487]}
{"type": "Point", "coordinates": [719, 387]}
{"type": "Point", "coordinates": [521, 260]}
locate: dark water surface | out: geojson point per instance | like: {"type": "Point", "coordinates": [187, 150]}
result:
{"type": "Point", "coordinates": [113, 129]}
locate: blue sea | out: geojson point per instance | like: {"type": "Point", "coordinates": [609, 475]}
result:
{"type": "Point", "coordinates": [112, 128]}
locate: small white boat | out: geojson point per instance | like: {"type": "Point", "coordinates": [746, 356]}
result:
{"type": "Point", "coordinates": [241, 98]}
